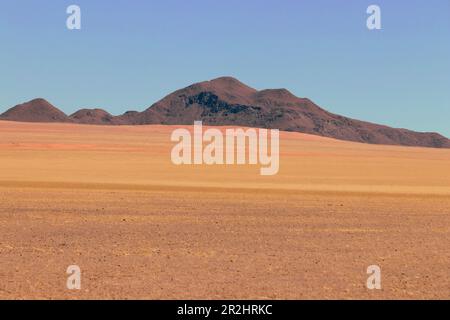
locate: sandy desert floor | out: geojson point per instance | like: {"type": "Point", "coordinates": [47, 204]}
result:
{"type": "Point", "coordinates": [109, 200]}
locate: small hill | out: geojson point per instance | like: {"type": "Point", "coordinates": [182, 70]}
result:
{"type": "Point", "coordinates": [93, 116]}
{"type": "Point", "coordinates": [37, 110]}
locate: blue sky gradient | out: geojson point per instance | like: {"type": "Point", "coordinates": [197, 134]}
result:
{"type": "Point", "coordinates": [129, 54]}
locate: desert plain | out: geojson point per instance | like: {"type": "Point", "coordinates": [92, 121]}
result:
{"type": "Point", "coordinates": [109, 199]}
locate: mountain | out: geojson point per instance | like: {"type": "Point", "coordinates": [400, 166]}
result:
{"type": "Point", "coordinates": [227, 101]}
{"type": "Point", "coordinates": [37, 110]}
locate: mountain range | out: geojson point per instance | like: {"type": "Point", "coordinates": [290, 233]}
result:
{"type": "Point", "coordinates": [227, 101]}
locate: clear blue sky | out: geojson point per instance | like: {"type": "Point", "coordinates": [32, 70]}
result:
{"type": "Point", "coordinates": [130, 54]}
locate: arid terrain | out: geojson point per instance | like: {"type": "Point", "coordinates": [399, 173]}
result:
{"type": "Point", "coordinates": [109, 199]}
{"type": "Point", "coordinates": [226, 101]}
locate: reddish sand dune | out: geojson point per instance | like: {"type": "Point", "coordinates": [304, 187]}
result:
{"type": "Point", "coordinates": [110, 200]}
